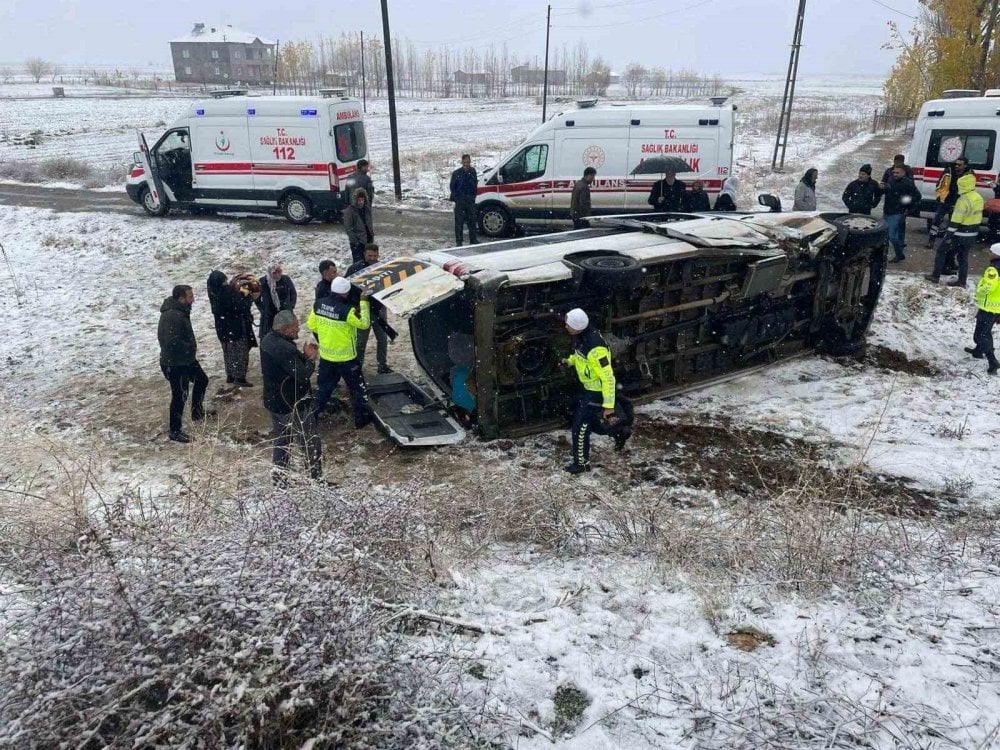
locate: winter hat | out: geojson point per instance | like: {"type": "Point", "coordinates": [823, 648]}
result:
{"type": "Point", "coordinates": [995, 250]}
{"type": "Point", "coordinates": [867, 169]}
{"type": "Point", "coordinates": [577, 319]}
{"type": "Point", "coordinates": [340, 285]}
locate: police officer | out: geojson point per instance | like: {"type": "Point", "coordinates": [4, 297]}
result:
{"type": "Point", "coordinates": [595, 407]}
{"type": "Point", "coordinates": [988, 302]}
{"type": "Point", "coordinates": [336, 323]}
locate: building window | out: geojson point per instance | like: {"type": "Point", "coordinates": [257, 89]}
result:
{"type": "Point", "coordinates": [187, 70]}
{"type": "Point", "coordinates": [215, 54]}
{"type": "Point", "coordinates": [237, 54]}
{"type": "Point", "coordinates": [186, 54]}
{"type": "Point", "coordinates": [260, 54]}
{"type": "Point", "coordinates": [217, 70]}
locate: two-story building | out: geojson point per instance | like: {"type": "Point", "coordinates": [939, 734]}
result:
{"type": "Point", "coordinates": [222, 55]}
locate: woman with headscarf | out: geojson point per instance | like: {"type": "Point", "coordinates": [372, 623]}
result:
{"type": "Point", "coordinates": [277, 293]}
{"type": "Point", "coordinates": [727, 198]}
{"type": "Point", "coordinates": [805, 191]}
{"type": "Point", "coordinates": [232, 309]}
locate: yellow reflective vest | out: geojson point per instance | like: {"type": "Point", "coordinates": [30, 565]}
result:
{"type": "Point", "coordinates": [968, 212]}
{"type": "Point", "coordinates": [988, 291]}
{"type": "Point", "coordinates": [592, 360]}
{"type": "Point", "coordinates": [336, 326]}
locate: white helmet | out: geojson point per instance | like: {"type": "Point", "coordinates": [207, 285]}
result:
{"type": "Point", "coordinates": [577, 319]}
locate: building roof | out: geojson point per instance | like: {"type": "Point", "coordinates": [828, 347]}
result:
{"type": "Point", "coordinates": [220, 34]}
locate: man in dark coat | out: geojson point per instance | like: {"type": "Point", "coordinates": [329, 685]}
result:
{"type": "Point", "coordinates": [863, 194]}
{"type": "Point", "coordinates": [378, 318]}
{"type": "Point", "coordinates": [696, 199]}
{"type": "Point", "coordinates": [897, 161]}
{"type": "Point", "coordinates": [462, 190]}
{"type": "Point", "coordinates": [288, 395]}
{"type": "Point", "coordinates": [277, 293]}
{"type": "Point", "coordinates": [358, 224]}
{"type": "Point", "coordinates": [361, 179]}
{"type": "Point", "coordinates": [579, 200]}
{"type": "Point", "coordinates": [327, 273]}
{"type": "Point", "coordinates": [232, 307]}
{"type": "Point", "coordinates": [900, 195]}
{"type": "Point", "coordinates": [179, 360]}
{"type": "Point", "coordinates": [667, 194]}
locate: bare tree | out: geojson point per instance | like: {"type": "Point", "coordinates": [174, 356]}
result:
{"type": "Point", "coordinates": [633, 78]}
{"type": "Point", "coordinates": [598, 78]}
{"type": "Point", "coordinates": [37, 67]}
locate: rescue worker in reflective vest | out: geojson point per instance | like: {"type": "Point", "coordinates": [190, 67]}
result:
{"type": "Point", "coordinates": [988, 302]}
{"type": "Point", "coordinates": [963, 230]}
{"type": "Point", "coordinates": [336, 324]}
{"type": "Point", "coordinates": [595, 407]}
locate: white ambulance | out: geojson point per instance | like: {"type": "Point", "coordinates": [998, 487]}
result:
{"type": "Point", "coordinates": [949, 128]}
{"type": "Point", "coordinates": [272, 154]}
{"type": "Point", "coordinates": [626, 144]}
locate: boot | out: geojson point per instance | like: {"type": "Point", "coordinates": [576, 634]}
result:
{"type": "Point", "coordinates": [179, 436]}
{"type": "Point", "coordinates": [575, 468]}
{"type": "Point", "coordinates": [957, 283]}
{"type": "Point", "coordinates": [994, 365]}
{"type": "Point", "coordinates": [621, 438]}
{"type": "Point", "coordinates": [362, 420]}
{"type": "Point", "coordinates": [384, 369]}
{"type": "Point", "coordinates": [932, 278]}
{"type": "Point", "coordinates": [974, 351]}
{"type": "Point", "coordinates": [243, 383]}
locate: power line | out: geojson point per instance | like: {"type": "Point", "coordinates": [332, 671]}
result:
{"type": "Point", "coordinates": [889, 7]}
{"type": "Point", "coordinates": [639, 20]}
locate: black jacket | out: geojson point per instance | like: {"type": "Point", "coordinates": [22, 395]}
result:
{"type": "Point", "coordinates": [672, 196]}
{"type": "Point", "coordinates": [176, 336]}
{"type": "Point", "coordinates": [725, 202]}
{"type": "Point", "coordinates": [359, 180]}
{"type": "Point", "coordinates": [463, 184]}
{"type": "Point", "coordinates": [907, 171]}
{"type": "Point", "coordinates": [895, 190]}
{"type": "Point", "coordinates": [287, 297]}
{"type": "Point", "coordinates": [233, 312]}
{"type": "Point", "coordinates": [861, 197]}
{"type": "Point", "coordinates": [286, 373]}
{"type": "Point", "coordinates": [323, 289]}
{"type": "Point", "coordinates": [697, 202]}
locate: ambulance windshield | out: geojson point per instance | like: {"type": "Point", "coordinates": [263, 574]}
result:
{"type": "Point", "coordinates": [350, 140]}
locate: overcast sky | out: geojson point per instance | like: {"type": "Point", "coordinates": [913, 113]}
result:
{"type": "Point", "coordinates": [730, 37]}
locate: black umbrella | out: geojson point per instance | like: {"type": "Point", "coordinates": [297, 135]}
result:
{"type": "Point", "coordinates": [661, 164]}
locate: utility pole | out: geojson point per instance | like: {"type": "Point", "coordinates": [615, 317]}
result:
{"type": "Point", "coordinates": [274, 84]}
{"type": "Point", "coordinates": [364, 93]}
{"type": "Point", "coordinates": [786, 101]}
{"type": "Point", "coordinates": [390, 86]}
{"type": "Point", "coordinates": [987, 43]}
{"type": "Point", "coordinates": [545, 77]}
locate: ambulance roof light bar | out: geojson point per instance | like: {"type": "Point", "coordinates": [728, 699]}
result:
{"type": "Point", "coordinates": [586, 103]}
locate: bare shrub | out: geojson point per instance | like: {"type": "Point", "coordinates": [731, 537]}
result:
{"type": "Point", "coordinates": [22, 171]}
{"type": "Point", "coordinates": [257, 623]}
{"type": "Point", "coordinates": [66, 168]}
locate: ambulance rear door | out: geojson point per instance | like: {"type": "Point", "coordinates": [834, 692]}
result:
{"type": "Point", "coordinates": [220, 154]}
{"type": "Point", "coordinates": [347, 143]}
{"type": "Point", "coordinates": [694, 136]}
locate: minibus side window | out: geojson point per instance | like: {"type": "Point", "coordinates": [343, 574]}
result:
{"type": "Point", "coordinates": [350, 141]}
{"type": "Point", "coordinates": [978, 146]}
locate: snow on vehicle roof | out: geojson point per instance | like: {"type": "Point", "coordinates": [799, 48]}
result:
{"type": "Point", "coordinates": [221, 34]}
{"type": "Point", "coordinates": [270, 105]}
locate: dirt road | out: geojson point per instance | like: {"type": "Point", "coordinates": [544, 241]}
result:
{"type": "Point", "coordinates": [401, 222]}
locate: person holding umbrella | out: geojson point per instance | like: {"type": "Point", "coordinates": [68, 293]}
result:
{"type": "Point", "coordinates": [667, 194]}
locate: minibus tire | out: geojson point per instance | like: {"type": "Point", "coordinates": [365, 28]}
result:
{"type": "Point", "coordinates": [495, 221]}
{"type": "Point", "coordinates": [297, 209]}
{"type": "Point", "coordinates": [611, 273]}
{"type": "Point", "coordinates": [161, 211]}
{"type": "Point", "coordinates": [860, 232]}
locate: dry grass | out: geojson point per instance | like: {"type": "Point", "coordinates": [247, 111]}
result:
{"type": "Point", "coordinates": [63, 169]}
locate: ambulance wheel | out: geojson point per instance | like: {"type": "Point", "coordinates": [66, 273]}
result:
{"type": "Point", "coordinates": [495, 221]}
{"type": "Point", "coordinates": [297, 208]}
{"type": "Point", "coordinates": [146, 201]}
{"type": "Point", "coordinates": [611, 273]}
